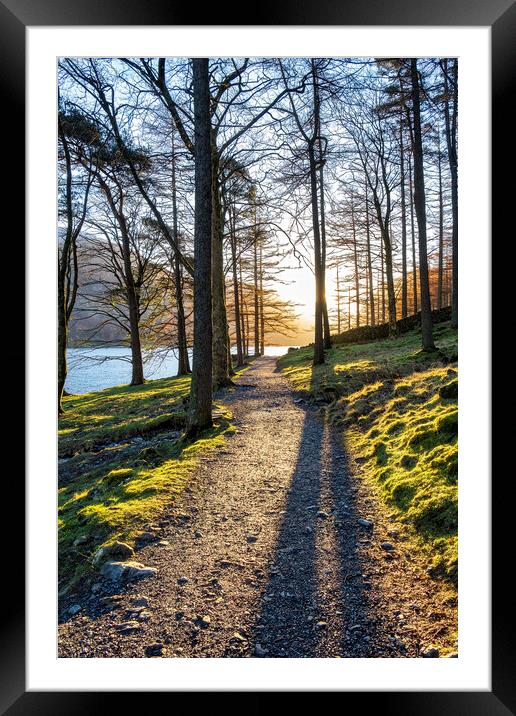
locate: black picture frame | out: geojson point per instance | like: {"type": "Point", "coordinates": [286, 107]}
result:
{"type": "Point", "coordinates": [15, 16]}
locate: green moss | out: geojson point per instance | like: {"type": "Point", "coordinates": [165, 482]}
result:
{"type": "Point", "coordinates": [402, 425]}
{"type": "Point", "coordinates": [380, 451]}
{"type": "Point", "coordinates": [115, 477]}
{"type": "Point", "coordinates": [422, 458]}
{"type": "Point", "coordinates": [94, 419]}
{"type": "Point", "coordinates": [447, 423]}
{"type": "Point", "coordinates": [350, 367]}
{"type": "Point", "coordinates": [408, 461]}
{"type": "Point", "coordinates": [114, 492]}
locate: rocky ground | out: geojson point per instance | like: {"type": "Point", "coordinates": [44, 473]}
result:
{"type": "Point", "coordinates": [275, 549]}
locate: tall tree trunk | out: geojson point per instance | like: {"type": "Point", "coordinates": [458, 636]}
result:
{"type": "Point", "coordinates": [62, 327]}
{"type": "Point", "coordinates": [62, 341]}
{"type": "Point", "coordinates": [318, 262]}
{"type": "Point", "coordinates": [413, 239]}
{"type": "Point", "coordinates": [231, 369]}
{"type": "Point", "coordinates": [326, 321]}
{"type": "Point", "coordinates": [391, 295]}
{"type": "Point", "coordinates": [183, 361]}
{"type": "Point", "coordinates": [220, 333]}
{"type": "Point", "coordinates": [338, 301]}
{"type": "Point", "coordinates": [451, 141]}
{"type": "Point", "coordinates": [247, 332]}
{"type": "Point", "coordinates": [386, 254]}
{"type": "Point", "coordinates": [319, 289]}
{"type": "Point", "coordinates": [243, 310]}
{"type": "Point", "coordinates": [133, 303]}
{"type": "Point", "coordinates": [369, 261]}
{"type": "Point", "coordinates": [440, 268]}
{"type": "Point", "coordinates": [420, 206]}
{"type": "Point", "coordinates": [378, 290]}
{"type": "Point", "coordinates": [255, 288]}
{"type": "Point", "coordinates": [355, 261]}
{"type": "Point", "coordinates": [137, 377]}
{"type": "Point", "coordinates": [383, 281]}
{"type": "Point", "coordinates": [325, 318]}
{"type": "Point", "coordinates": [199, 414]}
{"type": "Point", "coordinates": [367, 299]}
{"type": "Point", "coordinates": [404, 301]}
{"type": "Point", "coordinates": [236, 295]}
{"type": "Point", "coordinates": [262, 314]}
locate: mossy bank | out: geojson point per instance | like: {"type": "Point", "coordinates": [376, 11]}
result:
{"type": "Point", "coordinates": [122, 462]}
{"type": "Point", "coordinates": [397, 409]}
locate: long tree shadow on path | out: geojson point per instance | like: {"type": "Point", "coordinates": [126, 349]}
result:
{"type": "Point", "coordinates": [316, 599]}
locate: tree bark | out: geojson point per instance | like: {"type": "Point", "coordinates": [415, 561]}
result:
{"type": "Point", "coordinates": [451, 141]}
{"type": "Point", "coordinates": [221, 363]}
{"type": "Point", "coordinates": [369, 261]}
{"type": "Point", "coordinates": [367, 299]}
{"type": "Point", "coordinates": [319, 291]}
{"type": "Point", "coordinates": [391, 295]}
{"type": "Point", "coordinates": [404, 301]}
{"type": "Point", "coordinates": [137, 377]}
{"type": "Point", "coordinates": [355, 262]}
{"type": "Point", "coordinates": [247, 332]}
{"type": "Point", "coordinates": [62, 328]}
{"type": "Point", "coordinates": [243, 311]}
{"type": "Point", "coordinates": [326, 321]}
{"type": "Point", "coordinates": [62, 340]}
{"type": "Point", "coordinates": [183, 362]}
{"type": "Point", "coordinates": [338, 301]}
{"type": "Point", "coordinates": [382, 263]}
{"type": "Point", "coordinates": [255, 288]}
{"type": "Point", "coordinates": [420, 206]}
{"type": "Point", "coordinates": [262, 315]}
{"type": "Point", "coordinates": [387, 268]}
{"type": "Point", "coordinates": [200, 408]}
{"type": "Point", "coordinates": [133, 305]}
{"type": "Point", "coordinates": [236, 294]}
{"type": "Point", "coordinates": [413, 243]}
{"type": "Point", "coordinates": [318, 264]}
{"type": "Point", "coordinates": [440, 267]}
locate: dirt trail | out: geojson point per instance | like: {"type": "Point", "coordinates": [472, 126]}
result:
{"type": "Point", "coordinates": [264, 556]}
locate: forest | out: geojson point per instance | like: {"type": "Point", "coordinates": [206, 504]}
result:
{"type": "Point", "coordinates": [304, 506]}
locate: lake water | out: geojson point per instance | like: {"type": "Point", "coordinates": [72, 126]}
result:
{"type": "Point", "coordinates": [97, 368]}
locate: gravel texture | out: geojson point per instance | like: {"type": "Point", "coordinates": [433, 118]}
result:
{"type": "Point", "coordinates": [264, 556]}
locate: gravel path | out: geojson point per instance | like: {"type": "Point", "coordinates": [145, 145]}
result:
{"type": "Point", "coordinates": [264, 556]}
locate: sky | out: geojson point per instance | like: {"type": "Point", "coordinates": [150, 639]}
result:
{"type": "Point", "coordinates": [300, 289]}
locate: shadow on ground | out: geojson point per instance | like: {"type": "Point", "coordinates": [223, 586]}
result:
{"type": "Point", "coordinates": [316, 601]}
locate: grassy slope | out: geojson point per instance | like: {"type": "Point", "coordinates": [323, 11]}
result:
{"type": "Point", "coordinates": [116, 413]}
{"type": "Point", "coordinates": [386, 397]}
{"type": "Point", "coordinates": [113, 491]}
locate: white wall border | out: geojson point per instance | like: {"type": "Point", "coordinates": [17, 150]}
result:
{"type": "Point", "coordinates": [471, 671]}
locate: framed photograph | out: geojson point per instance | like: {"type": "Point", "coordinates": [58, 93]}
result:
{"type": "Point", "coordinates": [243, 302]}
